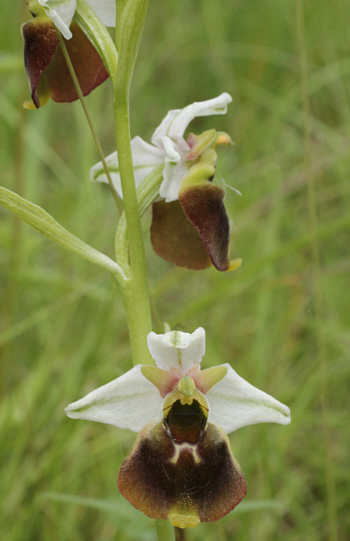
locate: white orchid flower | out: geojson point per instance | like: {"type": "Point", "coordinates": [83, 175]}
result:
{"type": "Point", "coordinates": [181, 467]}
{"type": "Point", "coordinates": [190, 226]}
{"type": "Point", "coordinates": [168, 147]}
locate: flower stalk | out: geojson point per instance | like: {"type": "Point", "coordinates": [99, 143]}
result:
{"type": "Point", "coordinates": [88, 117]}
{"type": "Point", "coordinates": [134, 291]}
{"type": "Point", "coordinates": [118, 24]}
{"type": "Point", "coordinates": [165, 531]}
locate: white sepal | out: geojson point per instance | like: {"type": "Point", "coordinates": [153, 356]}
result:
{"type": "Point", "coordinates": [173, 172]}
{"type": "Point", "coordinates": [163, 128]}
{"type": "Point", "coordinates": [145, 158]}
{"type": "Point", "coordinates": [176, 349]}
{"type": "Point", "coordinates": [97, 172]}
{"type": "Point", "coordinates": [105, 9]}
{"type": "Point", "coordinates": [130, 401]}
{"type": "Point", "coordinates": [234, 403]}
{"type": "Point", "coordinates": [61, 14]}
{"type": "Point", "coordinates": [175, 123]}
{"type": "Point", "coordinates": [173, 175]}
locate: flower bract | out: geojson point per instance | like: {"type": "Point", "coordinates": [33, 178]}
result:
{"type": "Point", "coordinates": [181, 467]}
{"type": "Point", "coordinates": [190, 226]}
{"type": "Point", "coordinates": [45, 65]}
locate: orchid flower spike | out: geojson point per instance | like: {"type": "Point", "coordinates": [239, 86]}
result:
{"type": "Point", "coordinates": [190, 226]}
{"type": "Point", "coordinates": [45, 65]}
{"type": "Point", "coordinates": [181, 467]}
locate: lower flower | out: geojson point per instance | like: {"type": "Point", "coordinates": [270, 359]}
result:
{"type": "Point", "coordinates": [181, 467]}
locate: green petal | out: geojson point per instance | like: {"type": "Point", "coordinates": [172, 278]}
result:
{"type": "Point", "coordinates": [164, 380]}
{"type": "Point", "coordinates": [206, 379]}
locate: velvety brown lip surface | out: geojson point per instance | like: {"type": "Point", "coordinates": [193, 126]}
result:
{"type": "Point", "coordinates": [204, 478]}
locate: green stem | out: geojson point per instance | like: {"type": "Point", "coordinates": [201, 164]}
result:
{"type": "Point", "coordinates": [165, 531]}
{"type": "Point", "coordinates": [134, 291]}
{"type": "Point", "coordinates": [88, 117]}
{"type": "Point", "coordinates": [118, 24]}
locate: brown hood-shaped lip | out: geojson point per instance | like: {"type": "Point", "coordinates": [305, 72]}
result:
{"type": "Point", "coordinates": [46, 67]}
{"type": "Point", "coordinates": [184, 474]}
{"type": "Point", "coordinates": [175, 239]}
{"type": "Point", "coordinates": [193, 232]}
{"type": "Point", "coordinates": [40, 44]}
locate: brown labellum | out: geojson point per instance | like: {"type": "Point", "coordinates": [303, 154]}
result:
{"type": "Point", "coordinates": [182, 470]}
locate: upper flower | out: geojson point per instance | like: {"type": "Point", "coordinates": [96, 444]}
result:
{"type": "Point", "coordinates": [190, 226]}
{"type": "Point", "coordinates": [181, 467]}
{"type": "Point", "coordinates": [44, 62]}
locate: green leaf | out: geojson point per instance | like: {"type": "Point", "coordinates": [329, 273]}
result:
{"type": "Point", "coordinates": [43, 222]}
{"type": "Point", "coordinates": [135, 524]}
{"type": "Point", "coordinates": [110, 506]}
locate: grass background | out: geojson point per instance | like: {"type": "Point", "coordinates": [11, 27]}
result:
{"type": "Point", "coordinates": [281, 320]}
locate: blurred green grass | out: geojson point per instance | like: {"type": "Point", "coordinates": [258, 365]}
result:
{"type": "Point", "coordinates": [62, 328]}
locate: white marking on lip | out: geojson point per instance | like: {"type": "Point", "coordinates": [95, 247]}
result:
{"type": "Point", "coordinates": [181, 447]}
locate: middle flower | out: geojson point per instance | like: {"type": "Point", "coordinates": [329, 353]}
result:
{"type": "Point", "coordinates": [190, 226]}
